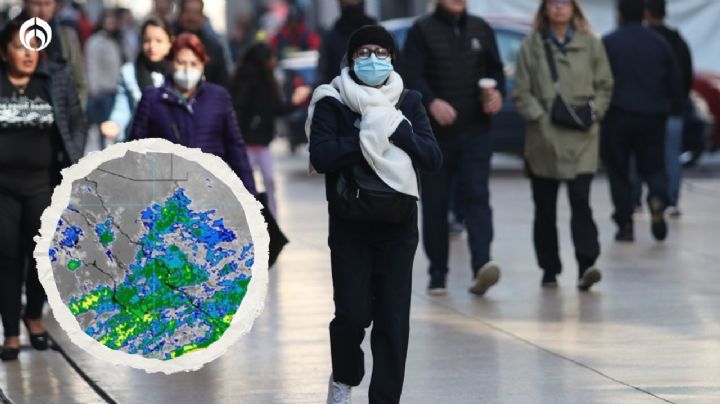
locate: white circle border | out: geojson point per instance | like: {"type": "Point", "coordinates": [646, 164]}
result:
{"type": "Point", "coordinates": [251, 306]}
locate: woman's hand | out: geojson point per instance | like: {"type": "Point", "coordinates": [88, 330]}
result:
{"type": "Point", "coordinates": [301, 94]}
{"type": "Point", "coordinates": [110, 129]}
{"type": "Point", "coordinates": [493, 103]}
{"type": "Point", "coordinates": [443, 112]}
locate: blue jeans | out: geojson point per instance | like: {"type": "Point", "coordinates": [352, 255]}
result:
{"type": "Point", "coordinates": [673, 166]}
{"type": "Point", "coordinates": [99, 109]}
{"type": "Point", "coordinates": [673, 149]}
{"type": "Point", "coordinates": [466, 159]}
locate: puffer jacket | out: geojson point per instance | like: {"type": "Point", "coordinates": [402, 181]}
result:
{"type": "Point", "coordinates": [206, 121]}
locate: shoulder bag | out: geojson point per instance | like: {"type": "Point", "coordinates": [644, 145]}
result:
{"type": "Point", "coordinates": [580, 117]}
{"type": "Point", "coordinates": [358, 194]}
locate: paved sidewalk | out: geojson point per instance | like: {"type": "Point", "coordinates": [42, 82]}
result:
{"type": "Point", "coordinates": [647, 334]}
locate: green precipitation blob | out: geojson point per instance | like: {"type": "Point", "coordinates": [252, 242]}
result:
{"type": "Point", "coordinates": [73, 265]}
{"type": "Point", "coordinates": [148, 307]}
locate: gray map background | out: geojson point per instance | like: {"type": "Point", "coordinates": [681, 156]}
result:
{"type": "Point", "coordinates": [121, 189]}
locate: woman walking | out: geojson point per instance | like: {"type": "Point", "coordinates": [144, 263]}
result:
{"type": "Point", "coordinates": [42, 130]}
{"type": "Point", "coordinates": [104, 58]}
{"type": "Point", "coordinates": [365, 122]}
{"type": "Point", "coordinates": [192, 112]}
{"type": "Point", "coordinates": [257, 100]}
{"type": "Point", "coordinates": [148, 70]}
{"type": "Point", "coordinates": [562, 65]}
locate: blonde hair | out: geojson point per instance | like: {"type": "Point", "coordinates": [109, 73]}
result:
{"type": "Point", "coordinates": [579, 22]}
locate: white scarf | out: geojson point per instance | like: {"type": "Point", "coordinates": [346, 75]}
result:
{"type": "Point", "coordinates": [380, 120]}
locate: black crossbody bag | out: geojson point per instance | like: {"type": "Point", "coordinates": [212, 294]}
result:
{"type": "Point", "coordinates": [580, 117]}
{"type": "Point", "coordinates": [358, 194]}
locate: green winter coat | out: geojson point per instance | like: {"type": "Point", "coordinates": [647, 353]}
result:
{"type": "Point", "coordinates": [552, 151]}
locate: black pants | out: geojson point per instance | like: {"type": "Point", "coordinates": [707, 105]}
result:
{"type": "Point", "coordinates": [466, 158]}
{"type": "Point", "coordinates": [582, 225]}
{"type": "Point", "coordinates": [23, 198]}
{"type": "Point", "coordinates": [372, 275]}
{"type": "Point", "coordinates": [625, 135]}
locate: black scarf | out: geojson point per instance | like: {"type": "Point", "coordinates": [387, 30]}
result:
{"type": "Point", "coordinates": [144, 69]}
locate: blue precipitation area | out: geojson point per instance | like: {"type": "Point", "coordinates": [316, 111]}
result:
{"type": "Point", "coordinates": [182, 290]}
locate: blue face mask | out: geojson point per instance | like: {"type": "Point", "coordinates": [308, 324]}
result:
{"type": "Point", "coordinates": [373, 71]}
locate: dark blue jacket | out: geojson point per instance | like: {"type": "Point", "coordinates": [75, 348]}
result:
{"type": "Point", "coordinates": [206, 122]}
{"type": "Point", "coordinates": [647, 76]}
{"type": "Point", "coordinates": [335, 140]}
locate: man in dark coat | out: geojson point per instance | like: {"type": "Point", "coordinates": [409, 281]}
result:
{"type": "Point", "coordinates": [647, 86]}
{"type": "Point", "coordinates": [191, 19]}
{"type": "Point", "coordinates": [334, 43]}
{"type": "Point", "coordinates": [445, 56]}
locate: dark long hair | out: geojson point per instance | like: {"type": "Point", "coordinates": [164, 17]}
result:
{"type": "Point", "coordinates": [254, 72]}
{"type": "Point", "coordinates": [156, 22]}
{"type": "Point", "coordinates": [7, 35]}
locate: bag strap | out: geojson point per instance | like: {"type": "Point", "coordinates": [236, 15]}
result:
{"type": "Point", "coordinates": [550, 61]}
{"type": "Point", "coordinates": [402, 98]}
{"type": "Point", "coordinates": [173, 124]}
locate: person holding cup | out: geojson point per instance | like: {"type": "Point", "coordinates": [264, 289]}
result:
{"type": "Point", "coordinates": [561, 40]}
{"type": "Point", "coordinates": [445, 56]}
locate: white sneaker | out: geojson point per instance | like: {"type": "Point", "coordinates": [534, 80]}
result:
{"type": "Point", "coordinates": [486, 277]}
{"type": "Point", "coordinates": [338, 393]}
{"type": "Point", "coordinates": [673, 211]}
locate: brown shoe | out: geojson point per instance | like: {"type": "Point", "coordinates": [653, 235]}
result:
{"type": "Point", "coordinates": [486, 277]}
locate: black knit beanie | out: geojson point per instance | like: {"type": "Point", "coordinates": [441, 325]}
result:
{"type": "Point", "coordinates": [370, 35]}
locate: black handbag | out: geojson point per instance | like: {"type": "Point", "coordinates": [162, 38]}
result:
{"type": "Point", "coordinates": [277, 237]}
{"type": "Point", "coordinates": [358, 194]}
{"type": "Point", "coordinates": [580, 117]}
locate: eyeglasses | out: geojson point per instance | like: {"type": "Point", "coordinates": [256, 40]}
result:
{"type": "Point", "coordinates": [380, 53]}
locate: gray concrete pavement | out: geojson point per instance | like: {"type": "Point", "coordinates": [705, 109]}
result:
{"type": "Point", "coordinates": [647, 334]}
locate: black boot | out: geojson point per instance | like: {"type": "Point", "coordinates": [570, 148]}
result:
{"type": "Point", "coordinates": [549, 280]}
{"type": "Point", "coordinates": [40, 341]}
{"type": "Point", "coordinates": [625, 233]}
{"type": "Point", "coordinates": [659, 226]}
{"type": "Point", "coordinates": [9, 354]}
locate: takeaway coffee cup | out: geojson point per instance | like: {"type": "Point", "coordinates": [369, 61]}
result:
{"type": "Point", "coordinates": [485, 86]}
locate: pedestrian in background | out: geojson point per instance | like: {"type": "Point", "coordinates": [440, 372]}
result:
{"type": "Point", "coordinates": [148, 70]}
{"type": "Point", "coordinates": [556, 153]}
{"type": "Point", "coordinates": [129, 32]}
{"type": "Point", "coordinates": [655, 18]}
{"type": "Point", "coordinates": [333, 46]}
{"type": "Point", "coordinates": [65, 50]}
{"type": "Point", "coordinates": [647, 85]}
{"type": "Point", "coordinates": [73, 15]}
{"type": "Point", "coordinates": [164, 9]}
{"type": "Point", "coordinates": [294, 35]}
{"type": "Point", "coordinates": [243, 35]}
{"type": "Point", "coordinates": [366, 118]}
{"type": "Point", "coordinates": [445, 56]}
{"type": "Point", "coordinates": [104, 52]}
{"type": "Point", "coordinates": [258, 101]}
{"type": "Point", "coordinates": [42, 130]}
{"type": "Point", "coordinates": [193, 112]}
{"type": "Point", "coordinates": [191, 19]}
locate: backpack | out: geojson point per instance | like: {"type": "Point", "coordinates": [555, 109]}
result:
{"type": "Point", "coordinates": [359, 195]}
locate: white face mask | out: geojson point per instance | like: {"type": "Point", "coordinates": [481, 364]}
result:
{"type": "Point", "coordinates": [187, 78]}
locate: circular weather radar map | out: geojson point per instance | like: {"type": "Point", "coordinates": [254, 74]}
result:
{"type": "Point", "coordinates": [153, 255]}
